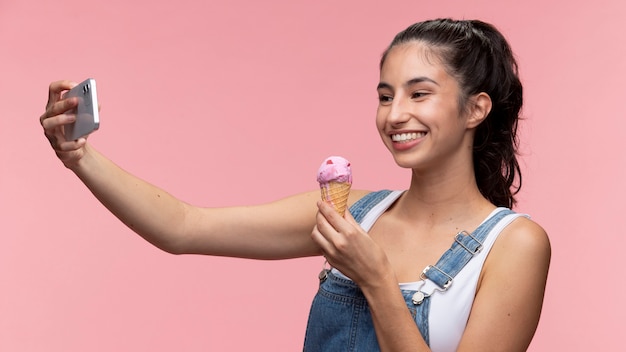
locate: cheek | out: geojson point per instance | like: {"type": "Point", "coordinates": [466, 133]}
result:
{"type": "Point", "coordinates": [381, 122]}
{"type": "Point", "coordinates": [380, 119]}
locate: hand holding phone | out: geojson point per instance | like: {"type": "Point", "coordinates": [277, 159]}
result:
{"type": "Point", "coordinates": [87, 115]}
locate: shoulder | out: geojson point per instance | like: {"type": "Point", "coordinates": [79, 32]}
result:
{"type": "Point", "coordinates": [525, 236]}
{"type": "Point", "coordinates": [521, 246]}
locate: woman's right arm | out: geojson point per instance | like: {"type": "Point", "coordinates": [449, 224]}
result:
{"type": "Point", "coordinates": [274, 230]}
{"type": "Point", "coordinates": [281, 229]}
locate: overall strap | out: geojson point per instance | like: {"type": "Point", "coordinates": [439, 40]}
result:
{"type": "Point", "coordinates": [464, 247]}
{"type": "Point", "coordinates": [361, 207]}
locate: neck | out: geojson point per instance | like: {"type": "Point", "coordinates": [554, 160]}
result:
{"type": "Point", "coordinates": [444, 195]}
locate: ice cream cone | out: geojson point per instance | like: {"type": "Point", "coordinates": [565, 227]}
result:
{"type": "Point", "coordinates": [336, 193]}
{"type": "Point", "coordinates": [335, 179]}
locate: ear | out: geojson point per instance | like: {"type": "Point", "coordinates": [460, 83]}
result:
{"type": "Point", "coordinates": [479, 109]}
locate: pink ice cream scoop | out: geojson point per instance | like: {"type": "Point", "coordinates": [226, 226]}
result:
{"type": "Point", "coordinates": [335, 179]}
{"type": "Point", "coordinates": [334, 168]}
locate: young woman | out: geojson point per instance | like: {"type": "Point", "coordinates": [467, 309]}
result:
{"type": "Point", "coordinates": [441, 266]}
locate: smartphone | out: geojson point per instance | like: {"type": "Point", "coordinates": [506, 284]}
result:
{"type": "Point", "coordinates": [87, 116]}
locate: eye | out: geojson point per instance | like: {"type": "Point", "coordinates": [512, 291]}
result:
{"type": "Point", "coordinates": [384, 99]}
{"type": "Point", "coordinates": [418, 94]}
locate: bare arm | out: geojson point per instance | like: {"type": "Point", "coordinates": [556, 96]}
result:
{"type": "Point", "coordinates": [275, 230]}
{"type": "Point", "coordinates": [509, 298]}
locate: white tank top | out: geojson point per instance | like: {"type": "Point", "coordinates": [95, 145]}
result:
{"type": "Point", "coordinates": [449, 310]}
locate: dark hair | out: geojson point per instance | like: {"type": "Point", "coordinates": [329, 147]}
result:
{"type": "Point", "coordinates": [479, 57]}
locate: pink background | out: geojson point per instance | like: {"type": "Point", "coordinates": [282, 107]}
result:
{"type": "Point", "coordinates": [237, 103]}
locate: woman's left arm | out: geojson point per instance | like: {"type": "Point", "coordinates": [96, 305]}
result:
{"type": "Point", "coordinates": [510, 291]}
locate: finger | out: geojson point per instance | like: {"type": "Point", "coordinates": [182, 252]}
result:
{"type": "Point", "coordinates": [63, 147]}
{"type": "Point", "coordinates": [56, 89]}
{"type": "Point", "coordinates": [329, 212]}
{"type": "Point", "coordinates": [327, 219]}
{"type": "Point", "coordinates": [321, 241]}
{"type": "Point", "coordinates": [52, 139]}
{"type": "Point", "coordinates": [327, 236]}
{"type": "Point", "coordinates": [59, 108]}
{"type": "Point", "coordinates": [345, 225]}
{"type": "Point", "coordinates": [323, 226]}
{"type": "Point", "coordinates": [339, 235]}
{"type": "Point", "coordinates": [49, 124]}
{"type": "Point", "coordinates": [68, 146]}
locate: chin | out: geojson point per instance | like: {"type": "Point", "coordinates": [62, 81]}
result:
{"type": "Point", "coordinates": [404, 161]}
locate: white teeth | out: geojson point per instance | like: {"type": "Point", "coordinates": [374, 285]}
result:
{"type": "Point", "coordinates": [403, 137]}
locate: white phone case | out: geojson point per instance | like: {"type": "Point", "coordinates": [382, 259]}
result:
{"type": "Point", "coordinates": [87, 116]}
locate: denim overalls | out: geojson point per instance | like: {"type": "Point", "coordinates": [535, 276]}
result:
{"type": "Point", "coordinates": [340, 319]}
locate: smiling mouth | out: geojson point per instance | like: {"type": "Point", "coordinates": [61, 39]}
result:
{"type": "Point", "coordinates": [407, 137]}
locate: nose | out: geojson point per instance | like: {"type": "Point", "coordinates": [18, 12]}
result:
{"type": "Point", "coordinates": [399, 111]}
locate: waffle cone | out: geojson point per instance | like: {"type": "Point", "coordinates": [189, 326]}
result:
{"type": "Point", "coordinates": [336, 193]}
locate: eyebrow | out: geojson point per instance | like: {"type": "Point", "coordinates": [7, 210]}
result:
{"type": "Point", "coordinates": [412, 81]}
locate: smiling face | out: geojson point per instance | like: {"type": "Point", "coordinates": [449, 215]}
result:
{"type": "Point", "coordinates": [419, 116]}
